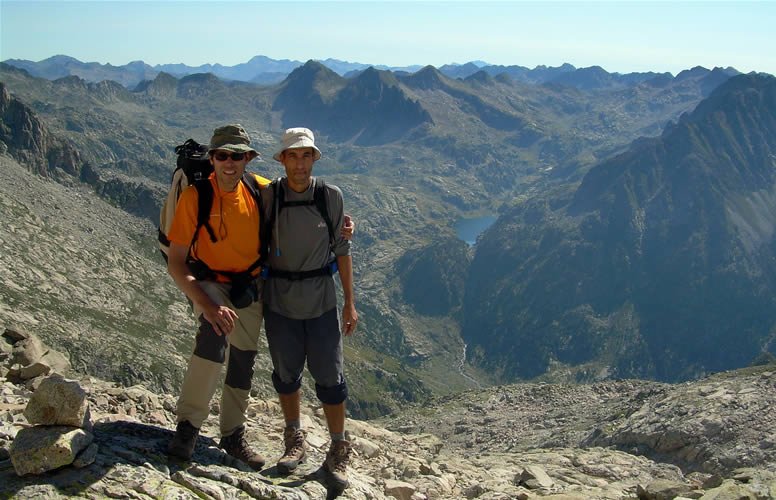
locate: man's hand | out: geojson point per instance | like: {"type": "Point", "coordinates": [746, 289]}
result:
{"type": "Point", "coordinates": [222, 318]}
{"type": "Point", "coordinates": [348, 228]}
{"type": "Point", "coordinates": [349, 319]}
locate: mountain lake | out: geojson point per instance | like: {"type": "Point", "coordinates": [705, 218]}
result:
{"type": "Point", "coordinates": [469, 229]}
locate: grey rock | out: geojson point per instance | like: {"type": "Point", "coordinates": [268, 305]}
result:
{"type": "Point", "coordinates": [27, 351]}
{"type": "Point", "coordinates": [712, 481]}
{"type": "Point", "coordinates": [33, 383]}
{"type": "Point", "coordinates": [86, 457]}
{"type": "Point", "coordinates": [731, 490]}
{"type": "Point", "coordinates": [198, 486]}
{"type": "Point", "coordinates": [663, 489]}
{"type": "Point", "coordinates": [59, 401]}
{"type": "Point", "coordinates": [33, 370]}
{"type": "Point", "coordinates": [398, 489]}
{"type": "Point", "coordinates": [39, 449]}
{"type": "Point", "coordinates": [57, 361]}
{"type": "Point", "coordinates": [366, 448]}
{"type": "Point", "coordinates": [534, 477]}
{"type": "Point", "coordinates": [15, 334]}
{"type": "Point", "coordinates": [473, 490]}
{"type": "Point", "coordinates": [431, 469]}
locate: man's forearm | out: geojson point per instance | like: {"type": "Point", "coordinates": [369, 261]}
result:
{"type": "Point", "coordinates": [345, 266]}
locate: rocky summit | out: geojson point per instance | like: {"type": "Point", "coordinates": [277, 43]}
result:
{"type": "Point", "coordinates": [709, 439]}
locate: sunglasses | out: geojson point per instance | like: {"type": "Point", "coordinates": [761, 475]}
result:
{"type": "Point", "coordinates": [223, 156]}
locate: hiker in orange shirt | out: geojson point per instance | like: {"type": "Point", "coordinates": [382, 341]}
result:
{"type": "Point", "coordinates": [216, 266]}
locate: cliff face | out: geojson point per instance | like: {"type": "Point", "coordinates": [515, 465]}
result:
{"type": "Point", "coordinates": [25, 137]}
{"type": "Point", "coordinates": [659, 265]}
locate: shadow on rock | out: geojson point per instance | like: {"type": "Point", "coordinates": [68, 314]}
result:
{"type": "Point", "coordinates": [131, 453]}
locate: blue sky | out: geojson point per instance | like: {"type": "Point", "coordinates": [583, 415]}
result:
{"type": "Point", "coordinates": [619, 36]}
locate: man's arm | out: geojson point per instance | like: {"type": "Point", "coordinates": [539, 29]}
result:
{"type": "Point", "coordinates": [349, 314]}
{"type": "Point", "coordinates": [221, 317]}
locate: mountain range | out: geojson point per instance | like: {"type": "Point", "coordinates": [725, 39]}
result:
{"type": "Point", "coordinates": [632, 238]}
{"type": "Point", "coordinates": [264, 70]}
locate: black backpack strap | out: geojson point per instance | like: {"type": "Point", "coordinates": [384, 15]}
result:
{"type": "Point", "coordinates": [328, 270]}
{"type": "Point", "coordinates": [267, 220]}
{"type": "Point", "coordinates": [320, 198]}
{"type": "Point", "coordinates": [204, 204]}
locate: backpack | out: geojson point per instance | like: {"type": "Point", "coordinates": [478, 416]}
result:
{"type": "Point", "coordinates": [278, 204]}
{"type": "Point", "coordinates": [192, 165]}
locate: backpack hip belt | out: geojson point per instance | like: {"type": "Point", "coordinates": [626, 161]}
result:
{"type": "Point", "coordinates": [329, 269]}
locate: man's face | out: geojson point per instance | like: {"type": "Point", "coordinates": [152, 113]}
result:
{"type": "Point", "coordinates": [229, 167]}
{"type": "Point", "coordinates": [299, 166]}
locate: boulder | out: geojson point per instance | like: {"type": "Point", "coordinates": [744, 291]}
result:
{"type": "Point", "coordinates": [58, 401]}
{"type": "Point", "coordinates": [27, 351]}
{"type": "Point", "coordinates": [664, 489]}
{"type": "Point", "coordinates": [534, 477]}
{"type": "Point", "coordinates": [58, 362]}
{"type": "Point", "coordinates": [36, 450]}
{"type": "Point", "coordinates": [398, 489]}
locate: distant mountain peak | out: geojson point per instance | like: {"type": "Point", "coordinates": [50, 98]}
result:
{"type": "Point", "coordinates": [311, 70]}
{"type": "Point", "coordinates": [692, 72]}
{"type": "Point", "coordinates": [201, 78]}
{"type": "Point", "coordinates": [372, 75]}
{"type": "Point", "coordinates": [164, 83]}
{"type": "Point", "coordinates": [480, 77]}
{"type": "Point", "coordinates": [427, 78]}
{"type": "Point", "coordinates": [61, 59]}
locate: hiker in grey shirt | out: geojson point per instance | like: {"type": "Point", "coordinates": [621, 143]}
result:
{"type": "Point", "coordinates": [304, 218]}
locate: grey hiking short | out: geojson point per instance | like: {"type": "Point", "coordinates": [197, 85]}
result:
{"type": "Point", "coordinates": [317, 341]}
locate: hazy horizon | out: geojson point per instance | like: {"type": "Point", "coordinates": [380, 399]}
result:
{"type": "Point", "coordinates": [620, 37]}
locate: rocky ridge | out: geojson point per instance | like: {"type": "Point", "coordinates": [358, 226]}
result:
{"type": "Point", "coordinates": [124, 430]}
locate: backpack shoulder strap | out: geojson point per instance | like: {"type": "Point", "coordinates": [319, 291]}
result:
{"type": "Point", "coordinates": [253, 186]}
{"type": "Point", "coordinates": [178, 183]}
{"type": "Point", "coordinates": [321, 203]}
{"type": "Point", "coordinates": [204, 204]}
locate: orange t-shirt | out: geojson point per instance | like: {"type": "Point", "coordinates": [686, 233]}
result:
{"type": "Point", "coordinates": [234, 217]}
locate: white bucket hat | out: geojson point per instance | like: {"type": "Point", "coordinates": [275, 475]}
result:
{"type": "Point", "coordinates": [298, 137]}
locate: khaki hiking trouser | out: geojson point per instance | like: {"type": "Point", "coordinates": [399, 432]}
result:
{"type": "Point", "coordinates": [211, 351]}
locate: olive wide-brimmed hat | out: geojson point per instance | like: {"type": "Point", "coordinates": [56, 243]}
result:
{"type": "Point", "coordinates": [231, 138]}
{"type": "Point", "coordinates": [298, 137]}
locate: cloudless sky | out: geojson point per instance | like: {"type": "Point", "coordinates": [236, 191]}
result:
{"type": "Point", "coordinates": [618, 36]}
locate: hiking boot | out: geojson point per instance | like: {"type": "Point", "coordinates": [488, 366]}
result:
{"type": "Point", "coordinates": [237, 446]}
{"type": "Point", "coordinates": [336, 464]}
{"type": "Point", "coordinates": [182, 443]}
{"type": "Point", "coordinates": [296, 450]}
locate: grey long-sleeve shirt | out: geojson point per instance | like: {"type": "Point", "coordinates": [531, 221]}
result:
{"type": "Point", "coordinates": [300, 242]}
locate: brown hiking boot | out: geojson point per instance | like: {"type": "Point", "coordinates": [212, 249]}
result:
{"type": "Point", "coordinates": [296, 450]}
{"type": "Point", "coordinates": [336, 464]}
{"type": "Point", "coordinates": [182, 443]}
{"type": "Point", "coordinates": [237, 446]}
